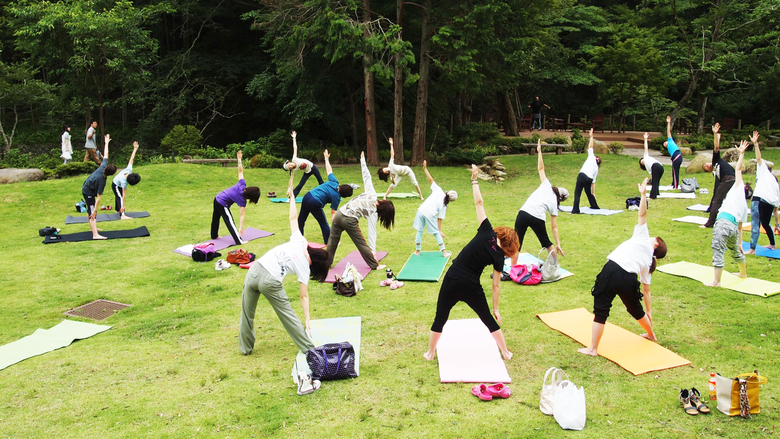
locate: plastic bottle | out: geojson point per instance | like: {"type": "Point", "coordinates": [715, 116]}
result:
{"type": "Point", "coordinates": [711, 384]}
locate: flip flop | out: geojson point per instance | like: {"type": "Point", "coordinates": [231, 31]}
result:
{"type": "Point", "coordinates": [271, 194]}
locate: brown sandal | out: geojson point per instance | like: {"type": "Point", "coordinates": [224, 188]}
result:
{"type": "Point", "coordinates": [695, 398]}
{"type": "Point", "coordinates": [685, 398]}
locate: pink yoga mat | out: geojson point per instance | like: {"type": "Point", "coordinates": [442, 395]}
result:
{"type": "Point", "coordinates": [357, 261]}
{"type": "Point", "coordinates": [224, 242]}
{"type": "Point", "coordinates": [468, 354]}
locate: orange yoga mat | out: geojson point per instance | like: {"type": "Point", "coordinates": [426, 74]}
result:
{"type": "Point", "coordinates": [747, 227]}
{"type": "Point", "coordinates": [630, 351]}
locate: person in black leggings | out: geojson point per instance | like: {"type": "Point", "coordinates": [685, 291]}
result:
{"type": "Point", "coordinates": [461, 283]}
{"type": "Point", "coordinates": [766, 198]}
{"type": "Point", "coordinates": [724, 178]}
{"type": "Point", "coordinates": [586, 180]}
{"type": "Point", "coordinates": [674, 152]}
{"type": "Point", "coordinates": [654, 168]}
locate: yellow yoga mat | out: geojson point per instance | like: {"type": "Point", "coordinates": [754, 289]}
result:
{"type": "Point", "coordinates": [633, 353]}
{"type": "Point", "coordinates": [703, 274]}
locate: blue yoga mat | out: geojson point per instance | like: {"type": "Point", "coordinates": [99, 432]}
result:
{"type": "Point", "coordinates": [762, 251]}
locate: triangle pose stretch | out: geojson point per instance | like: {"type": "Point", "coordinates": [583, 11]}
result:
{"type": "Point", "coordinates": [92, 189]}
{"type": "Point", "coordinates": [121, 180]}
{"type": "Point", "coordinates": [239, 194]}
{"type": "Point", "coordinates": [674, 152]}
{"type": "Point", "coordinates": [654, 168]}
{"type": "Point", "coordinates": [395, 173]}
{"type": "Point", "coordinates": [316, 199]}
{"type": "Point", "coordinates": [766, 199]}
{"type": "Point", "coordinates": [431, 213]}
{"type": "Point", "coordinates": [304, 165]}
{"type": "Point", "coordinates": [586, 179]}
{"type": "Point", "coordinates": [724, 178]}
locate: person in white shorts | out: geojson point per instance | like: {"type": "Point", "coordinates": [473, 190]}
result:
{"type": "Point", "coordinates": [395, 173]}
{"type": "Point", "coordinates": [431, 213]}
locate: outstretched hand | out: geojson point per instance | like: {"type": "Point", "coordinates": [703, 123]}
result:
{"type": "Point", "coordinates": [715, 128]}
{"type": "Point", "coordinates": [390, 140]}
{"type": "Point", "coordinates": [539, 145]}
{"type": "Point", "coordinates": [135, 145]}
{"type": "Point", "coordinates": [646, 136]}
{"type": "Point", "coordinates": [474, 172]}
{"type": "Point", "coordinates": [240, 155]}
{"type": "Point", "coordinates": [294, 134]}
{"type": "Point", "coordinates": [326, 154]}
{"type": "Point", "coordinates": [668, 119]}
{"type": "Point", "coordinates": [107, 138]}
{"type": "Point", "coordinates": [643, 187]}
{"type": "Point", "coordinates": [743, 145]}
{"type": "Point", "coordinates": [754, 137]}
{"type": "Point", "coordinates": [591, 132]}
{"type": "Point", "coordinates": [425, 164]}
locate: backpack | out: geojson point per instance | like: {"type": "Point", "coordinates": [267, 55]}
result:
{"type": "Point", "coordinates": [81, 207]}
{"type": "Point", "coordinates": [525, 274]}
{"type": "Point", "coordinates": [689, 185]}
{"type": "Point", "coordinates": [204, 253]}
{"type": "Point", "coordinates": [240, 256]}
{"type": "Point", "coordinates": [48, 231]}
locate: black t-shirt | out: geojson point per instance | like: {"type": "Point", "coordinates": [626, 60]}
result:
{"type": "Point", "coordinates": [722, 167]}
{"type": "Point", "coordinates": [96, 182]}
{"type": "Point", "coordinates": [536, 106]}
{"type": "Point", "coordinates": [481, 251]}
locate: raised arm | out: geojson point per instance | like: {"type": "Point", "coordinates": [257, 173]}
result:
{"type": "Point", "coordinates": [590, 143]}
{"type": "Point", "coordinates": [367, 183]}
{"type": "Point", "coordinates": [392, 153]}
{"type": "Point", "coordinates": [743, 145]}
{"type": "Point", "coordinates": [240, 157]}
{"type": "Point", "coordinates": [540, 162]}
{"type": "Point", "coordinates": [478, 202]}
{"type": "Point", "coordinates": [295, 144]}
{"type": "Point", "coordinates": [646, 136]}
{"type": "Point", "coordinates": [754, 139]}
{"type": "Point", "coordinates": [293, 208]}
{"type": "Point", "coordinates": [105, 147]}
{"type": "Point", "coordinates": [643, 203]}
{"type": "Point", "coordinates": [132, 156]}
{"type": "Point", "coordinates": [427, 174]}
{"type": "Point", "coordinates": [328, 168]}
{"type": "Point", "coordinates": [668, 127]}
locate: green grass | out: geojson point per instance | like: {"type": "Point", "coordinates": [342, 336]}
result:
{"type": "Point", "coordinates": [170, 367]}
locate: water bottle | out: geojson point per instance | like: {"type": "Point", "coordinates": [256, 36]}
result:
{"type": "Point", "coordinates": [389, 273]}
{"type": "Point", "coordinates": [711, 384]}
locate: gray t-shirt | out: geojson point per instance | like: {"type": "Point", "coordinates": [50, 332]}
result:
{"type": "Point", "coordinates": [90, 143]}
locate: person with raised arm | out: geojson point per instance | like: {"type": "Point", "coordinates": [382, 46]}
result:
{"type": "Point", "coordinates": [266, 276]}
{"type": "Point", "coordinates": [654, 168]}
{"type": "Point", "coordinates": [304, 165]}
{"type": "Point", "coordinates": [431, 213]}
{"type": "Point", "coordinates": [365, 205]}
{"type": "Point", "coordinates": [121, 180]}
{"type": "Point", "coordinates": [724, 178]}
{"type": "Point", "coordinates": [396, 173]}
{"type": "Point", "coordinates": [727, 232]}
{"type": "Point", "coordinates": [533, 214]}
{"type": "Point", "coordinates": [674, 152]}
{"type": "Point", "coordinates": [489, 247]}
{"type": "Point", "coordinates": [766, 198]}
{"type": "Point", "coordinates": [637, 256]}
{"type": "Point", "coordinates": [316, 199]}
{"type": "Point", "coordinates": [586, 180]}
{"type": "Point", "coordinates": [93, 187]}
{"type": "Point", "coordinates": [239, 193]}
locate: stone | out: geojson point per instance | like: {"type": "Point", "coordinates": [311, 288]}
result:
{"type": "Point", "coordinates": [730, 155]}
{"type": "Point", "coordinates": [599, 147]}
{"type": "Point", "coordinates": [684, 150]}
{"type": "Point", "coordinates": [13, 175]}
{"type": "Point", "coordinates": [753, 163]}
{"type": "Point", "coordinates": [695, 166]}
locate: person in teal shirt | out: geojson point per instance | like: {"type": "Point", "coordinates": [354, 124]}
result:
{"type": "Point", "coordinates": [316, 199]}
{"type": "Point", "coordinates": [674, 152]}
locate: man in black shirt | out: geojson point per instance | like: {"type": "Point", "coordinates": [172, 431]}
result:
{"type": "Point", "coordinates": [536, 109]}
{"type": "Point", "coordinates": [724, 178]}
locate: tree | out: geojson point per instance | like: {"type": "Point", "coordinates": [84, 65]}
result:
{"type": "Point", "coordinates": [19, 90]}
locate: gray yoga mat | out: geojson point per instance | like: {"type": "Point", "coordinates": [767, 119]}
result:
{"type": "Point", "coordinates": [104, 217]}
{"type": "Point", "coordinates": [46, 340]}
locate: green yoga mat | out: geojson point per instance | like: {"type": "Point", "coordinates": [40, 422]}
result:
{"type": "Point", "coordinates": [403, 195]}
{"type": "Point", "coordinates": [427, 267]}
{"type": "Point", "coordinates": [331, 331]}
{"type": "Point", "coordinates": [704, 274]}
{"type": "Point", "coordinates": [46, 340]}
{"type": "Point", "coordinates": [285, 200]}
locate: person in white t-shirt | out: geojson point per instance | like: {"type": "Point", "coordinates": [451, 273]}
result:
{"type": "Point", "coordinates": [766, 199]}
{"type": "Point", "coordinates": [121, 180]}
{"type": "Point", "coordinates": [431, 213]}
{"type": "Point", "coordinates": [727, 232]}
{"type": "Point", "coordinates": [586, 180]}
{"type": "Point", "coordinates": [395, 173]}
{"type": "Point", "coordinates": [637, 256]}
{"type": "Point", "coordinates": [304, 165]}
{"type": "Point", "coordinates": [67, 147]}
{"type": "Point", "coordinates": [533, 214]}
{"type": "Point", "coordinates": [654, 168]}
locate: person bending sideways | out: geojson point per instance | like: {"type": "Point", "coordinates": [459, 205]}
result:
{"type": "Point", "coordinates": [727, 233]}
{"type": "Point", "coordinates": [239, 194]}
{"type": "Point", "coordinates": [316, 199]}
{"type": "Point", "coordinates": [674, 152]}
{"type": "Point", "coordinates": [637, 256]}
{"type": "Point", "coordinates": [93, 187]}
{"type": "Point", "coordinates": [586, 180]}
{"type": "Point", "coordinates": [396, 173]}
{"type": "Point", "coordinates": [121, 180]}
{"type": "Point", "coordinates": [304, 165]}
{"type": "Point", "coordinates": [431, 213]}
{"type": "Point", "coordinates": [724, 178]}
{"type": "Point", "coordinates": [365, 206]}
{"type": "Point", "coordinates": [533, 214]}
{"type": "Point", "coordinates": [461, 283]}
{"type": "Point", "coordinates": [654, 168]}
{"type": "Point", "coordinates": [766, 199]}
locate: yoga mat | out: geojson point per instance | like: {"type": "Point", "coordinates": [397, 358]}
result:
{"type": "Point", "coordinates": [427, 267]}
{"type": "Point", "coordinates": [403, 195]}
{"type": "Point", "coordinates": [589, 211]}
{"type": "Point", "coordinates": [316, 245]}
{"type": "Point", "coordinates": [469, 354]}
{"type": "Point", "coordinates": [628, 350]}
{"type": "Point", "coordinates": [698, 207]}
{"type": "Point", "coordinates": [748, 227]}
{"type": "Point", "coordinates": [756, 287]}
{"type": "Point", "coordinates": [325, 331]}
{"type": "Point", "coordinates": [690, 195]}
{"type": "Point", "coordinates": [87, 236]}
{"type": "Point", "coordinates": [762, 251]}
{"type": "Point", "coordinates": [46, 340]}
{"type": "Point", "coordinates": [356, 260]}
{"type": "Point", "coordinates": [104, 217]}
{"type": "Point", "coordinates": [527, 258]}
{"type": "Point", "coordinates": [700, 220]}
{"type": "Point", "coordinates": [666, 188]}
{"type": "Point", "coordinates": [250, 234]}
{"type": "Point", "coordinates": [285, 200]}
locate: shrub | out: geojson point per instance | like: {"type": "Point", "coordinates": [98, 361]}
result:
{"type": "Point", "coordinates": [579, 144]}
{"type": "Point", "coordinates": [576, 134]}
{"type": "Point", "coordinates": [47, 161]}
{"type": "Point", "coordinates": [15, 159]}
{"type": "Point", "coordinates": [74, 168]}
{"type": "Point", "coordinates": [181, 140]}
{"type": "Point", "coordinates": [277, 144]}
{"type": "Point", "coordinates": [211, 153]}
{"type": "Point", "coordinates": [473, 155]}
{"type": "Point", "coordinates": [557, 140]}
{"type": "Point", "coordinates": [477, 132]}
{"type": "Point", "coordinates": [657, 143]}
{"type": "Point", "coordinates": [616, 147]}
{"type": "Point", "coordinates": [265, 161]}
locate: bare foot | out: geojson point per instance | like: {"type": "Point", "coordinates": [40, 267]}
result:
{"type": "Point", "coordinates": [99, 229]}
{"type": "Point", "coordinates": [743, 276]}
{"type": "Point", "coordinates": [417, 253]}
{"type": "Point", "coordinates": [98, 237]}
{"type": "Point", "coordinates": [429, 355]}
{"type": "Point", "coordinates": [702, 226]}
{"type": "Point", "coordinates": [648, 337]}
{"type": "Point", "coordinates": [712, 284]}
{"type": "Point", "coordinates": [507, 355]}
{"type": "Point", "coordinates": [588, 351]}
{"type": "Point", "coordinates": [124, 217]}
{"type": "Point", "coordinates": [770, 247]}
{"type": "Point", "coordinates": [750, 252]}
{"type": "Point", "coordinates": [446, 253]}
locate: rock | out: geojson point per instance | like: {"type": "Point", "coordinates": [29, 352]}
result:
{"type": "Point", "coordinates": [751, 166]}
{"type": "Point", "coordinates": [684, 150]}
{"type": "Point", "coordinates": [695, 166]}
{"type": "Point", "coordinates": [599, 147]}
{"type": "Point", "coordinates": [730, 155]}
{"type": "Point", "coordinates": [13, 175]}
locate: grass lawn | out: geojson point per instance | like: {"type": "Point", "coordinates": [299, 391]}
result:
{"type": "Point", "coordinates": [170, 367]}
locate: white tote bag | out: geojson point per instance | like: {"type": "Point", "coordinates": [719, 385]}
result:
{"type": "Point", "coordinates": [555, 376]}
{"type": "Point", "coordinates": [569, 406]}
{"type": "Point", "coordinates": [551, 270]}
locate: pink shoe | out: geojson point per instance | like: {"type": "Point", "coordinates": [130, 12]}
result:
{"type": "Point", "coordinates": [396, 284]}
{"type": "Point", "coordinates": [385, 282]}
{"type": "Point", "coordinates": [480, 391]}
{"type": "Point", "coordinates": [499, 390]}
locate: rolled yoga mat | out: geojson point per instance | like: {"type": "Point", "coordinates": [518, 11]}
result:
{"type": "Point", "coordinates": [700, 220]}
{"type": "Point", "coordinates": [224, 242]}
{"type": "Point", "coordinates": [285, 200]}
{"type": "Point", "coordinates": [630, 351]}
{"type": "Point", "coordinates": [589, 211]}
{"type": "Point", "coordinates": [101, 217]}
{"type": "Point", "coordinates": [87, 236]}
{"type": "Point", "coordinates": [703, 274]}
{"type": "Point", "coordinates": [46, 340]}
{"type": "Point", "coordinates": [357, 260]}
{"type": "Point", "coordinates": [762, 251]}
{"type": "Point", "coordinates": [325, 331]}
{"type": "Point", "coordinates": [468, 354]}
{"type": "Point", "coordinates": [690, 195]}
{"type": "Point", "coordinates": [427, 267]}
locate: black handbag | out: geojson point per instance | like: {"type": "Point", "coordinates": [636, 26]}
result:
{"type": "Point", "coordinates": [346, 289]}
{"type": "Point", "coordinates": [332, 361]}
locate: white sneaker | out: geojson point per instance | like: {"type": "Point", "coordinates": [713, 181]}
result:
{"type": "Point", "coordinates": [221, 265]}
{"type": "Point", "coordinates": [307, 385]}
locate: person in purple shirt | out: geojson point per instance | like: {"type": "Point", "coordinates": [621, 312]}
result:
{"type": "Point", "coordinates": [239, 194]}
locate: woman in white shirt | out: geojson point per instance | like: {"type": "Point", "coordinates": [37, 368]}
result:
{"type": "Point", "coordinates": [431, 213]}
{"type": "Point", "coordinates": [637, 256]}
{"type": "Point", "coordinates": [304, 165]}
{"type": "Point", "coordinates": [396, 173]}
{"type": "Point", "coordinates": [67, 148]}
{"type": "Point", "coordinates": [766, 199]}
{"type": "Point", "coordinates": [586, 180]}
{"type": "Point", "coordinates": [654, 168]}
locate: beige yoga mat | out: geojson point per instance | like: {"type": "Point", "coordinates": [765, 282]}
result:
{"type": "Point", "coordinates": [633, 353]}
{"type": "Point", "coordinates": [704, 274]}
{"type": "Point", "coordinates": [690, 195]}
{"type": "Point", "coordinates": [700, 220]}
{"type": "Point", "coordinates": [46, 340]}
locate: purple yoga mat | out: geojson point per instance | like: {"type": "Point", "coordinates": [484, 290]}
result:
{"type": "Point", "coordinates": [357, 261]}
{"type": "Point", "coordinates": [227, 241]}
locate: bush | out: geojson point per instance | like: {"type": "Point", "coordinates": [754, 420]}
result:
{"type": "Point", "coordinates": [557, 140]}
{"type": "Point", "coordinates": [657, 143]}
{"type": "Point", "coordinates": [477, 132]}
{"type": "Point", "coordinates": [74, 168]}
{"type": "Point", "coordinates": [211, 153]}
{"type": "Point", "coordinates": [579, 144]}
{"type": "Point", "coordinates": [15, 159]}
{"type": "Point", "coordinates": [616, 147]}
{"type": "Point", "coordinates": [278, 144]}
{"type": "Point", "coordinates": [265, 161]}
{"type": "Point", "coordinates": [181, 140]}
{"type": "Point", "coordinates": [475, 155]}
{"type": "Point", "coordinates": [47, 161]}
{"type": "Point", "coordinates": [576, 134]}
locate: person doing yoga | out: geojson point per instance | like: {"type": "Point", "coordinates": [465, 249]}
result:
{"type": "Point", "coordinates": [724, 178]}
{"type": "Point", "coordinates": [239, 194]}
{"type": "Point", "coordinates": [637, 256]}
{"type": "Point", "coordinates": [533, 214]}
{"type": "Point", "coordinates": [654, 168]}
{"type": "Point", "coordinates": [316, 199]}
{"type": "Point", "coordinates": [431, 213]}
{"type": "Point", "coordinates": [121, 180]}
{"type": "Point", "coordinates": [674, 152]}
{"type": "Point", "coordinates": [396, 173]}
{"type": "Point", "coordinates": [586, 180]}
{"type": "Point", "coordinates": [365, 206]}
{"type": "Point", "coordinates": [766, 198]}
{"type": "Point", "coordinates": [304, 165]}
{"type": "Point", "coordinates": [727, 233]}
{"type": "Point", "coordinates": [462, 282]}
{"type": "Point", "coordinates": [93, 187]}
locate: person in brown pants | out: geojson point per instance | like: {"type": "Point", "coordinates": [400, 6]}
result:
{"type": "Point", "coordinates": [91, 147]}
